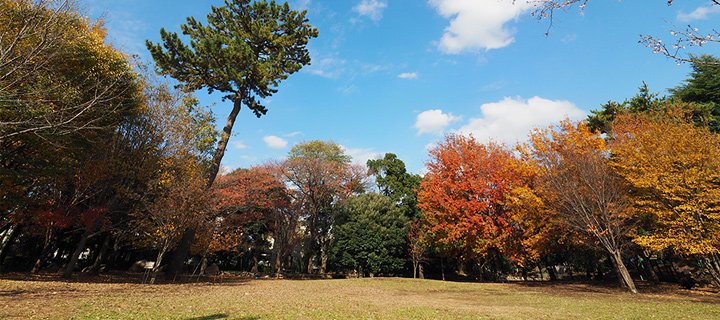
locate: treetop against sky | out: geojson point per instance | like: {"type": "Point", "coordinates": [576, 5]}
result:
{"type": "Point", "coordinates": [395, 75]}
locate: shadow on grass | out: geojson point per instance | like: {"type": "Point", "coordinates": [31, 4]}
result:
{"type": "Point", "coordinates": [123, 277]}
{"type": "Point", "coordinates": [210, 317]}
{"type": "Point", "coordinates": [222, 316]}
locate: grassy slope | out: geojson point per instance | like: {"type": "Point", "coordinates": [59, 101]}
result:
{"type": "Point", "coordinates": [341, 299]}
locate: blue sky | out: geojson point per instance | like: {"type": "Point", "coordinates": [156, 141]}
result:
{"type": "Point", "coordinates": [395, 75]}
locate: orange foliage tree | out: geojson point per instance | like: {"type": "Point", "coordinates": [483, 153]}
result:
{"type": "Point", "coordinates": [463, 196]}
{"type": "Point", "coordinates": [576, 179]}
{"type": "Point", "coordinates": [674, 168]}
{"type": "Point", "coordinates": [253, 202]}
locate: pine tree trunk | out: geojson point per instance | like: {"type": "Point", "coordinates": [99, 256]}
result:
{"type": "Point", "coordinates": [76, 255]}
{"type": "Point", "coordinates": [182, 250]}
{"type": "Point", "coordinates": [622, 271]}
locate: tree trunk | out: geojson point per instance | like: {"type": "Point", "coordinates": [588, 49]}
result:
{"type": "Point", "coordinates": [224, 138]}
{"type": "Point", "coordinates": [47, 248]}
{"type": "Point", "coordinates": [415, 268]}
{"type": "Point", "coordinates": [180, 255]}
{"type": "Point", "coordinates": [323, 261]}
{"type": "Point", "coordinates": [76, 255]}
{"type": "Point", "coordinates": [551, 273]}
{"type": "Point", "coordinates": [203, 265]}
{"type": "Point", "coordinates": [712, 264]}
{"type": "Point", "coordinates": [442, 267]}
{"type": "Point", "coordinates": [158, 261]}
{"type": "Point", "coordinates": [182, 250]}
{"type": "Point", "coordinates": [622, 271]}
{"type": "Point", "coordinates": [8, 239]}
{"type": "Point", "coordinates": [256, 263]}
{"type": "Point", "coordinates": [95, 267]}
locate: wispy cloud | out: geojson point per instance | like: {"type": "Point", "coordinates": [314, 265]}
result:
{"type": "Point", "coordinates": [372, 9]}
{"type": "Point", "coordinates": [275, 142]}
{"type": "Point", "coordinates": [408, 75]}
{"type": "Point", "coordinates": [701, 13]}
{"type": "Point", "coordinates": [239, 145]}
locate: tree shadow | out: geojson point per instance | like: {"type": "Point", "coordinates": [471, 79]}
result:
{"type": "Point", "coordinates": [222, 316]}
{"type": "Point", "coordinates": [210, 317]}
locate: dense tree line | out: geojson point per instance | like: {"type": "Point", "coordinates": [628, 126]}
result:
{"type": "Point", "coordinates": [104, 164]}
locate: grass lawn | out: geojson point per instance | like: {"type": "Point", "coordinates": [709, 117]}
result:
{"type": "Point", "coordinates": [379, 298]}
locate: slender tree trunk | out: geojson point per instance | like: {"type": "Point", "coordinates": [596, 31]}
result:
{"type": "Point", "coordinates": [648, 266]}
{"type": "Point", "coordinates": [323, 261]}
{"type": "Point", "coordinates": [6, 226]}
{"type": "Point", "coordinates": [10, 235]}
{"type": "Point", "coordinates": [442, 267]}
{"type": "Point", "coordinates": [47, 247]}
{"type": "Point", "coordinates": [76, 254]}
{"type": "Point", "coordinates": [95, 267]}
{"type": "Point", "coordinates": [415, 268]}
{"type": "Point", "coordinates": [224, 138]}
{"type": "Point", "coordinates": [622, 271]}
{"type": "Point", "coordinates": [712, 264]}
{"type": "Point", "coordinates": [158, 261]}
{"type": "Point", "coordinates": [203, 264]}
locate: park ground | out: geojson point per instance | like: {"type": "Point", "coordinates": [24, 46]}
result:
{"type": "Point", "coordinates": [47, 297]}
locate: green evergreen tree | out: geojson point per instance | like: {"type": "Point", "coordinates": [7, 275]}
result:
{"type": "Point", "coordinates": [370, 236]}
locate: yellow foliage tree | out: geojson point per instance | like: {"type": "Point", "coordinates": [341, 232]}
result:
{"type": "Point", "coordinates": [576, 179]}
{"type": "Point", "coordinates": [674, 167]}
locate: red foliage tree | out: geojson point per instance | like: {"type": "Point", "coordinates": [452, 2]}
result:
{"type": "Point", "coordinates": [463, 196]}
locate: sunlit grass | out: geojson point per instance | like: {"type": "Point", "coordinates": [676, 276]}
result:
{"type": "Point", "coordinates": [342, 299]}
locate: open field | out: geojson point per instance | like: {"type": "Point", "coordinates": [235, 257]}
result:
{"type": "Point", "coordinates": [379, 298]}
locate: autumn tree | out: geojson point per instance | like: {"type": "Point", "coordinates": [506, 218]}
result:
{"type": "Point", "coordinates": [321, 179]}
{"type": "Point", "coordinates": [673, 167]}
{"type": "Point", "coordinates": [177, 200]}
{"type": "Point", "coordinates": [244, 51]}
{"type": "Point", "coordinates": [462, 197]}
{"type": "Point", "coordinates": [63, 93]}
{"type": "Point", "coordinates": [370, 236]}
{"type": "Point", "coordinates": [576, 179]}
{"type": "Point", "coordinates": [254, 205]}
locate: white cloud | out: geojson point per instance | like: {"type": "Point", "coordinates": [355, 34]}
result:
{"type": "Point", "coordinates": [433, 121]}
{"type": "Point", "coordinates": [701, 13]}
{"type": "Point", "coordinates": [275, 142]}
{"type": "Point", "coordinates": [326, 66]}
{"type": "Point", "coordinates": [361, 155]}
{"type": "Point", "coordinates": [511, 119]}
{"type": "Point", "coordinates": [239, 145]}
{"type": "Point", "coordinates": [293, 134]}
{"type": "Point", "coordinates": [225, 170]}
{"type": "Point", "coordinates": [372, 9]}
{"type": "Point", "coordinates": [478, 24]}
{"type": "Point", "coordinates": [408, 75]}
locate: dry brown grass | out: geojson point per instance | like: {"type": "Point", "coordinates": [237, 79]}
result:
{"type": "Point", "coordinates": [380, 298]}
